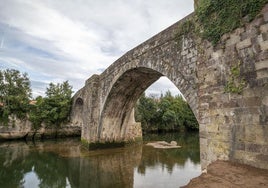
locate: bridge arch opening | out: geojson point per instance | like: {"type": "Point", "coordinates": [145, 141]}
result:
{"type": "Point", "coordinates": [117, 120]}
{"type": "Point", "coordinates": [162, 109]}
{"type": "Point", "coordinates": [79, 102]}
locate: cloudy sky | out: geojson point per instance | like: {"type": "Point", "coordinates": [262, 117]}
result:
{"type": "Point", "coordinates": [58, 40]}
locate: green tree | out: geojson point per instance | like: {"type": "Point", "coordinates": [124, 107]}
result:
{"type": "Point", "coordinates": [54, 109]}
{"type": "Point", "coordinates": [15, 93]}
{"type": "Point", "coordinates": [190, 122]}
{"type": "Point", "coordinates": [57, 104]}
{"type": "Point", "coordinates": [36, 115]}
{"type": "Point", "coordinates": [166, 113]}
{"type": "Point", "coordinates": [146, 112]}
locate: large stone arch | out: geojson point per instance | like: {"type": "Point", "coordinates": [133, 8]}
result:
{"type": "Point", "coordinates": [118, 88]}
{"type": "Point", "coordinates": [117, 115]}
{"type": "Point", "coordinates": [232, 126]}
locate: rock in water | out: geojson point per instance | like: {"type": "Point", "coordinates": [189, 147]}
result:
{"type": "Point", "coordinates": [173, 143]}
{"type": "Point", "coordinates": [163, 144]}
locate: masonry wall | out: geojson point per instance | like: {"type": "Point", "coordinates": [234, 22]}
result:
{"type": "Point", "coordinates": [235, 126]}
{"type": "Point", "coordinates": [85, 109]}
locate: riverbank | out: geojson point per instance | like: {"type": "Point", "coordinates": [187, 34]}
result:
{"type": "Point", "coordinates": [223, 174]}
{"type": "Point", "coordinates": [23, 129]}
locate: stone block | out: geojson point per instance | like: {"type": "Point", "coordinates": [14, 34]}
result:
{"type": "Point", "coordinates": [249, 92]}
{"type": "Point", "coordinates": [257, 22]}
{"type": "Point", "coordinates": [252, 147]}
{"type": "Point", "coordinates": [244, 44]}
{"type": "Point", "coordinates": [239, 30]}
{"type": "Point", "coordinates": [233, 40]}
{"type": "Point", "coordinates": [225, 37]}
{"type": "Point", "coordinates": [240, 146]}
{"type": "Point", "coordinates": [213, 128]}
{"type": "Point", "coordinates": [249, 102]}
{"type": "Point", "coordinates": [263, 73]}
{"type": "Point", "coordinates": [264, 149]}
{"type": "Point", "coordinates": [240, 133]}
{"type": "Point", "coordinates": [264, 28]}
{"type": "Point", "coordinates": [263, 158]}
{"type": "Point", "coordinates": [265, 17]}
{"type": "Point", "coordinates": [263, 55]}
{"type": "Point", "coordinates": [217, 54]}
{"type": "Point", "coordinates": [239, 155]}
{"type": "Point", "coordinates": [265, 101]}
{"type": "Point", "coordinates": [261, 65]}
{"type": "Point", "coordinates": [259, 38]}
{"type": "Point", "coordinates": [250, 133]}
{"type": "Point", "coordinates": [264, 45]}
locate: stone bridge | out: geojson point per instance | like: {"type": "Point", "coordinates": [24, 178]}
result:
{"type": "Point", "coordinates": [232, 126]}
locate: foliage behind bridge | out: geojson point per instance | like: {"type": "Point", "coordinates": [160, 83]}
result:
{"type": "Point", "coordinates": [167, 113]}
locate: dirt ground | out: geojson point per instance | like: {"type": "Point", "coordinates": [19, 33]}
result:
{"type": "Point", "coordinates": [223, 174]}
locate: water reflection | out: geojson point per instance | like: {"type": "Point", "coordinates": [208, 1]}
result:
{"type": "Point", "coordinates": [66, 164]}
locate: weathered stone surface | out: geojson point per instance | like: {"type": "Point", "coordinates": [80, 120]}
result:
{"type": "Point", "coordinates": [18, 129]}
{"type": "Point", "coordinates": [232, 126]}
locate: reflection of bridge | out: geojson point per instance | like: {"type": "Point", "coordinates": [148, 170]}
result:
{"type": "Point", "coordinates": [232, 126]}
{"type": "Point", "coordinates": [65, 162]}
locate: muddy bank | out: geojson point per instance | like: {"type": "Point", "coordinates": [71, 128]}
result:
{"type": "Point", "coordinates": [222, 174]}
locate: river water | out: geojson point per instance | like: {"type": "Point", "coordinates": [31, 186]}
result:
{"type": "Point", "coordinates": [65, 163]}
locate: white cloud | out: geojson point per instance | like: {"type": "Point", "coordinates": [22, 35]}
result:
{"type": "Point", "coordinates": [161, 87]}
{"type": "Point", "coordinates": [71, 40]}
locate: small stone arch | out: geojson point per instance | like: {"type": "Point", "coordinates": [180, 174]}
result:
{"type": "Point", "coordinates": [79, 102]}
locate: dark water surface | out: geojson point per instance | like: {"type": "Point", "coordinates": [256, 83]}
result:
{"type": "Point", "coordinates": [65, 163]}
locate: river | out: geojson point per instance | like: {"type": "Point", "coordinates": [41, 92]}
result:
{"type": "Point", "coordinates": [65, 163]}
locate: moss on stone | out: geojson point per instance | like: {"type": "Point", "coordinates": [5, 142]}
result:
{"type": "Point", "coordinates": [236, 83]}
{"type": "Point", "coordinates": [186, 29]}
{"type": "Point", "coordinates": [114, 144]}
{"type": "Point", "coordinates": [217, 17]}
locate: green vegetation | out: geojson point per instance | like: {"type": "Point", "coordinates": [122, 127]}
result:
{"type": "Point", "coordinates": [186, 29]}
{"type": "Point", "coordinates": [15, 101]}
{"type": "Point", "coordinates": [217, 17]}
{"type": "Point", "coordinates": [166, 113]}
{"type": "Point", "coordinates": [236, 82]}
{"type": "Point", "coordinates": [54, 109]}
{"type": "Point", "coordinates": [15, 93]}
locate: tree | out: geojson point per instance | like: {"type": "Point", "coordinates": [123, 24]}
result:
{"type": "Point", "coordinates": [57, 104]}
{"type": "Point", "coordinates": [166, 113]}
{"type": "Point", "coordinates": [190, 122]}
{"type": "Point", "coordinates": [15, 93]}
{"type": "Point", "coordinates": [54, 109]}
{"type": "Point", "coordinates": [36, 113]}
{"type": "Point", "coordinates": [146, 111]}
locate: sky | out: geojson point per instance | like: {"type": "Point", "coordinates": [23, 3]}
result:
{"type": "Point", "coordinates": [59, 40]}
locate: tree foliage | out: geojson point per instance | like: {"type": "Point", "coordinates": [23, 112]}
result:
{"type": "Point", "coordinates": [166, 113]}
{"type": "Point", "coordinates": [53, 109]}
{"type": "Point", "coordinates": [15, 93]}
